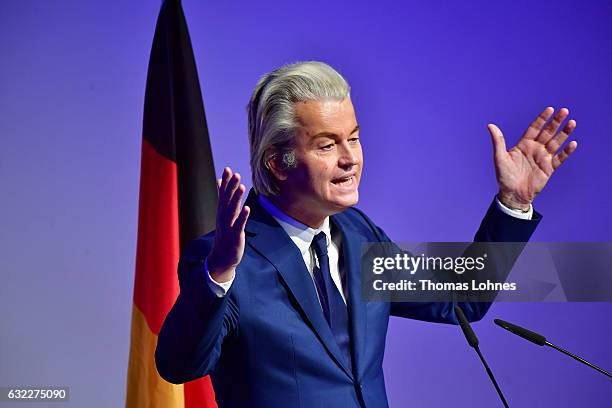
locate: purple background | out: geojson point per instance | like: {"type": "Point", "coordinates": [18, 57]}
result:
{"type": "Point", "coordinates": [426, 80]}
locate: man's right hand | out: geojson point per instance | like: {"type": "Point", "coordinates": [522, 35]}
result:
{"type": "Point", "coordinates": [229, 236]}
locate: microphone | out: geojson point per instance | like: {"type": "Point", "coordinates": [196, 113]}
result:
{"type": "Point", "coordinates": [472, 340]}
{"type": "Point", "coordinates": [541, 341]}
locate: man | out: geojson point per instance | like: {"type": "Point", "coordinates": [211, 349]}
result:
{"type": "Point", "coordinates": [270, 302]}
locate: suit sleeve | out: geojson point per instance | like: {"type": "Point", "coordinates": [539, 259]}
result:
{"type": "Point", "coordinates": [190, 341]}
{"type": "Point", "coordinates": [496, 226]}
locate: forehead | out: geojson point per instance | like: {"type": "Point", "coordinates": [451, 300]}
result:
{"type": "Point", "coordinates": [333, 116]}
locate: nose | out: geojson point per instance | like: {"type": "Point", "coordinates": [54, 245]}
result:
{"type": "Point", "coordinates": [347, 156]}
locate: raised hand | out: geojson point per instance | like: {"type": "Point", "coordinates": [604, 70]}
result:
{"type": "Point", "coordinates": [229, 235]}
{"type": "Point", "coordinates": [523, 171]}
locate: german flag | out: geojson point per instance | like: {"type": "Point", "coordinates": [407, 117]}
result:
{"type": "Point", "coordinates": [178, 200]}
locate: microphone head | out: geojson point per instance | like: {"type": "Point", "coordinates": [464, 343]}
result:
{"type": "Point", "coordinates": [470, 336]}
{"type": "Point", "coordinates": [520, 331]}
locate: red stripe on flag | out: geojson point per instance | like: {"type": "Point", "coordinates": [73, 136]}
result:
{"type": "Point", "coordinates": [199, 394]}
{"type": "Point", "coordinates": [156, 285]}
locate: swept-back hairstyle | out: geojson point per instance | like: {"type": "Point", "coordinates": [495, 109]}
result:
{"type": "Point", "coordinates": [271, 111]}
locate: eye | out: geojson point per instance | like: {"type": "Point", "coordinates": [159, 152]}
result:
{"type": "Point", "coordinates": [354, 140]}
{"type": "Point", "coordinates": [327, 146]}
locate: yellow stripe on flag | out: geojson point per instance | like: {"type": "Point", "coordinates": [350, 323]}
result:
{"type": "Point", "coordinates": [145, 387]}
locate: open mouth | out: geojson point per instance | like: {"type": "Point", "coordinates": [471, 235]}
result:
{"type": "Point", "coordinates": [344, 181]}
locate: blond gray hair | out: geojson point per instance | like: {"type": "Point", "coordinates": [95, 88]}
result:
{"type": "Point", "coordinates": [271, 111]}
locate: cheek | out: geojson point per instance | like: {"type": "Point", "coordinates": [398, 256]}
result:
{"type": "Point", "coordinates": [321, 177]}
{"type": "Point", "coordinates": [321, 172]}
{"type": "Point", "coordinates": [318, 171]}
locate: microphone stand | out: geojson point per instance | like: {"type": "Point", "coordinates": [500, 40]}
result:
{"type": "Point", "coordinates": [582, 360]}
{"type": "Point", "coordinates": [473, 342]}
{"type": "Point", "coordinates": [541, 341]}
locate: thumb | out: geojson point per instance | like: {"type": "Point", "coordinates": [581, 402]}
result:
{"type": "Point", "coordinates": [497, 138]}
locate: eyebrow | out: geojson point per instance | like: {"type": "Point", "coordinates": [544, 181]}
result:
{"type": "Point", "coordinates": [327, 134]}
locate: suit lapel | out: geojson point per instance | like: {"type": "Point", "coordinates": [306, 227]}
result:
{"type": "Point", "coordinates": [351, 255]}
{"type": "Point", "coordinates": [270, 240]}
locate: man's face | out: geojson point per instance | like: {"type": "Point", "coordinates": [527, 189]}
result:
{"type": "Point", "coordinates": [329, 158]}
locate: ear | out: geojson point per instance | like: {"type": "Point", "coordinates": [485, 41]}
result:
{"type": "Point", "coordinates": [275, 164]}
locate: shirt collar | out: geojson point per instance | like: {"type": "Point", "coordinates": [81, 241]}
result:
{"type": "Point", "coordinates": [299, 233]}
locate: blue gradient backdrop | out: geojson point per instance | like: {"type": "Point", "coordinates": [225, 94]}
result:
{"type": "Point", "coordinates": [426, 80]}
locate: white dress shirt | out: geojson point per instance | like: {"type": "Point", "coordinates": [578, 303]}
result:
{"type": "Point", "coordinates": [302, 236]}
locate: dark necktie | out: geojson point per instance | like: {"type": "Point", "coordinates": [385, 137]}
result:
{"type": "Point", "coordinates": [333, 306]}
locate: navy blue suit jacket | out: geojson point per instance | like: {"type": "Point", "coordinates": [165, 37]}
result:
{"type": "Point", "coordinates": [267, 343]}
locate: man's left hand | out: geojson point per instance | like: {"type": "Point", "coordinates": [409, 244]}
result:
{"type": "Point", "coordinates": [523, 171]}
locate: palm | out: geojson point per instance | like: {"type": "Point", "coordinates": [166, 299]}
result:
{"type": "Point", "coordinates": [228, 248]}
{"type": "Point", "coordinates": [523, 171]}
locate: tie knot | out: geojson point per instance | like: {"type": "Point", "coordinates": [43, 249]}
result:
{"type": "Point", "coordinates": [319, 243]}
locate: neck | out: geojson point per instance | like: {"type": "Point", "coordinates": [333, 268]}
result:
{"type": "Point", "coordinates": [297, 211]}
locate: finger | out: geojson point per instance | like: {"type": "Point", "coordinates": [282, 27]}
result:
{"type": "Point", "coordinates": [553, 144]}
{"type": "Point", "coordinates": [225, 210]}
{"type": "Point", "coordinates": [564, 154]}
{"type": "Point", "coordinates": [232, 187]}
{"type": "Point", "coordinates": [234, 205]}
{"type": "Point", "coordinates": [225, 177]}
{"type": "Point", "coordinates": [551, 128]}
{"type": "Point", "coordinates": [536, 126]}
{"type": "Point", "coordinates": [242, 219]}
{"type": "Point", "coordinates": [497, 138]}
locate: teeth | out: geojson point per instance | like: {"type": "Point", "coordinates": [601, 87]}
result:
{"type": "Point", "coordinates": [344, 181]}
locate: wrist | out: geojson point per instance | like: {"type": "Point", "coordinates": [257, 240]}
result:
{"type": "Point", "coordinates": [218, 272]}
{"type": "Point", "coordinates": [514, 203]}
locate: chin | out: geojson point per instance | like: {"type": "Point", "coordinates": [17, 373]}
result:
{"type": "Point", "coordinates": [342, 203]}
{"type": "Point", "coordinates": [343, 195]}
